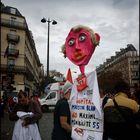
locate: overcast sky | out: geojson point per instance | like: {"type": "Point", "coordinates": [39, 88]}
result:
{"type": "Point", "coordinates": [117, 22]}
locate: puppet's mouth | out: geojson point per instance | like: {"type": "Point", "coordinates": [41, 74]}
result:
{"type": "Point", "coordinates": [78, 56]}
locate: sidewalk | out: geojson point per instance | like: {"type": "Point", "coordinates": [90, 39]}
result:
{"type": "Point", "coordinates": [6, 129]}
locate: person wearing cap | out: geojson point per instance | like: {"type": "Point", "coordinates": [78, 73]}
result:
{"type": "Point", "coordinates": [62, 128]}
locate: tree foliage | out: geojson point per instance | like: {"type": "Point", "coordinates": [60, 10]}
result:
{"type": "Point", "coordinates": [51, 79]}
{"type": "Point", "coordinates": [108, 80]}
{"type": "Point", "coordinates": [47, 80]}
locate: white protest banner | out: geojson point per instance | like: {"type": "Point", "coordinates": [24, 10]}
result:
{"type": "Point", "coordinates": [85, 115]}
{"type": "Point", "coordinates": [86, 112]}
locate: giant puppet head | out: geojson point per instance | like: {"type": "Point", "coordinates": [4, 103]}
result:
{"type": "Point", "coordinates": [80, 45]}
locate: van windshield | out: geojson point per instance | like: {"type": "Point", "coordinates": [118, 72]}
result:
{"type": "Point", "coordinates": [51, 95]}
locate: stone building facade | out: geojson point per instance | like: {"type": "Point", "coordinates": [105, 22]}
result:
{"type": "Point", "coordinates": [20, 63]}
{"type": "Point", "coordinates": [125, 61]}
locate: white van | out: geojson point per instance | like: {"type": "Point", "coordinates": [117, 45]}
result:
{"type": "Point", "coordinates": [49, 101]}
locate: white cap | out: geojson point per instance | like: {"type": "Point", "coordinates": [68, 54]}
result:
{"type": "Point", "coordinates": [66, 87]}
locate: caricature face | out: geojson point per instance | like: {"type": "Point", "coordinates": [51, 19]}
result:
{"type": "Point", "coordinates": [79, 47]}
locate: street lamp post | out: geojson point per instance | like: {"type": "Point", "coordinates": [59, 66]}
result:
{"type": "Point", "coordinates": [53, 23]}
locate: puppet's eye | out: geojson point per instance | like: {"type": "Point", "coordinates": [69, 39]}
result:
{"type": "Point", "coordinates": [82, 37]}
{"type": "Point", "coordinates": [71, 42]}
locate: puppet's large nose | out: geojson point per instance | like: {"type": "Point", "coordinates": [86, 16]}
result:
{"type": "Point", "coordinates": [77, 46]}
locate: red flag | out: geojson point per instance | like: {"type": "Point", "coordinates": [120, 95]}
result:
{"type": "Point", "coordinates": [69, 76]}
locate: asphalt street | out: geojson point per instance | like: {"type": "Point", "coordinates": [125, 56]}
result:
{"type": "Point", "coordinates": [46, 125]}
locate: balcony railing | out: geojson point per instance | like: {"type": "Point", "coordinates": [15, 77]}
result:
{"type": "Point", "coordinates": [18, 69]}
{"type": "Point", "coordinates": [13, 38]}
{"type": "Point", "coordinates": [135, 77]}
{"type": "Point", "coordinates": [14, 24]}
{"type": "Point", "coordinates": [15, 69]}
{"type": "Point", "coordinates": [13, 52]}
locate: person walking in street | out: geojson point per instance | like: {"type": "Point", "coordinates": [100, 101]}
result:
{"type": "Point", "coordinates": [28, 112]}
{"type": "Point", "coordinates": [119, 113]}
{"type": "Point", "coordinates": [62, 128]}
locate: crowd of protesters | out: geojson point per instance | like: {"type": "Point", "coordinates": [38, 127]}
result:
{"type": "Point", "coordinates": [121, 113]}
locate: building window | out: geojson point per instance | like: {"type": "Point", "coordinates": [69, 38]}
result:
{"type": "Point", "coordinates": [12, 20]}
{"type": "Point", "coordinates": [10, 62]}
{"type": "Point", "coordinates": [137, 73]}
{"type": "Point", "coordinates": [5, 82]}
{"type": "Point", "coordinates": [13, 32]}
{"type": "Point", "coordinates": [136, 62]}
{"type": "Point", "coordinates": [12, 10]}
{"type": "Point", "coordinates": [11, 45]}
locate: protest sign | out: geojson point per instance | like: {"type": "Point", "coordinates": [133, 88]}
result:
{"type": "Point", "coordinates": [86, 112]}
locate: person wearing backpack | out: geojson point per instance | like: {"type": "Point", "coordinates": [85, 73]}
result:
{"type": "Point", "coordinates": [119, 113]}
